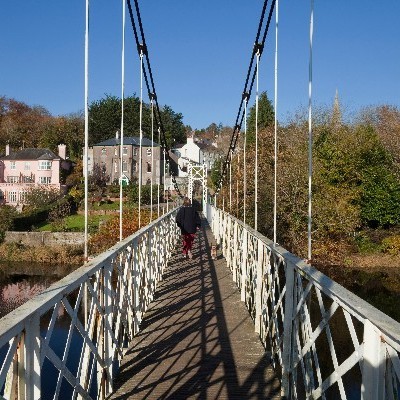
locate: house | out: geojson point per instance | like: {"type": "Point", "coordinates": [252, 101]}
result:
{"type": "Point", "coordinates": [194, 152]}
{"type": "Point", "coordinates": [27, 168]}
{"type": "Point", "coordinates": [107, 155]}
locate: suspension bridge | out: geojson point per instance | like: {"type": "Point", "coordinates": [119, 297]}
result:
{"type": "Point", "coordinates": [141, 321]}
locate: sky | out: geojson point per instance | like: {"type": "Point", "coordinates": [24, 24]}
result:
{"type": "Point", "coordinates": [200, 52]}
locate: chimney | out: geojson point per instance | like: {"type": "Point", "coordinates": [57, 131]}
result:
{"type": "Point", "coordinates": [62, 151]}
{"type": "Point", "coordinates": [117, 135]}
{"type": "Point", "coordinates": [7, 149]}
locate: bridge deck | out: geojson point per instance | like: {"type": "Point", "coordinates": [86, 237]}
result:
{"type": "Point", "coordinates": [197, 339]}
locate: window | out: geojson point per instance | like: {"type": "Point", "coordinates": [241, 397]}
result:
{"type": "Point", "coordinates": [44, 165]}
{"type": "Point", "coordinates": [135, 152]}
{"type": "Point", "coordinates": [27, 179]}
{"type": "Point", "coordinates": [134, 166]}
{"type": "Point", "coordinates": [12, 165]}
{"type": "Point", "coordinates": [103, 151]}
{"type": "Point", "coordinates": [22, 197]}
{"type": "Point", "coordinates": [115, 166]}
{"type": "Point", "coordinates": [45, 180]}
{"type": "Point", "coordinates": [27, 166]}
{"type": "Point", "coordinates": [12, 179]}
{"type": "Point", "coordinates": [115, 151]}
{"type": "Point", "coordinates": [125, 151]}
{"type": "Point", "coordinates": [149, 152]}
{"type": "Point", "coordinates": [124, 166]}
{"type": "Point", "coordinates": [148, 167]}
{"type": "Point", "coordinates": [12, 197]}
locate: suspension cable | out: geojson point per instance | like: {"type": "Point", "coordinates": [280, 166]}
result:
{"type": "Point", "coordinates": [152, 158]}
{"type": "Point", "coordinates": [86, 127]}
{"type": "Point", "coordinates": [256, 149]}
{"type": "Point", "coordinates": [159, 178]}
{"type": "Point", "coordinates": [140, 137]}
{"type": "Point", "coordinates": [276, 120]}
{"type": "Point", "coordinates": [244, 162]}
{"type": "Point", "coordinates": [230, 184]}
{"type": "Point", "coordinates": [310, 133]}
{"type": "Point", "coordinates": [122, 122]}
{"type": "Point", "coordinates": [258, 47]}
{"type": "Point", "coordinates": [142, 47]}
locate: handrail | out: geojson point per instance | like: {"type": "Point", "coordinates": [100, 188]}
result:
{"type": "Point", "coordinates": [324, 340]}
{"type": "Point", "coordinates": [102, 303]}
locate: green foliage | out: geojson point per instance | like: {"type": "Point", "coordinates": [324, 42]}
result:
{"type": "Point", "coordinates": [133, 194]}
{"type": "Point", "coordinates": [380, 200]}
{"type": "Point", "coordinates": [105, 120]}
{"type": "Point", "coordinates": [391, 245]}
{"type": "Point", "coordinates": [216, 172]}
{"type": "Point", "coordinates": [7, 215]}
{"type": "Point", "coordinates": [266, 116]}
{"type": "Point", "coordinates": [38, 197]}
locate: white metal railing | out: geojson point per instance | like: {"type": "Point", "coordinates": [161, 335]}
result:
{"type": "Point", "coordinates": [324, 341]}
{"type": "Point", "coordinates": [69, 338]}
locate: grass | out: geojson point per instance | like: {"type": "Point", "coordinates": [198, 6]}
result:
{"type": "Point", "coordinates": [76, 223]}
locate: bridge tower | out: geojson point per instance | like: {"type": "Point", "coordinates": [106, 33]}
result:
{"type": "Point", "coordinates": [197, 173]}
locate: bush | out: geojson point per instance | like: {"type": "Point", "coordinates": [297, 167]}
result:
{"type": "Point", "coordinates": [133, 194]}
{"type": "Point", "coordinates": [391, 245]}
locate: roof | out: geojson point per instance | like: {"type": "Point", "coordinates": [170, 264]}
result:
{"type": "Point", "coordinates": [130, 140]}
{"type": "Point", "coordinates": [32, 154]}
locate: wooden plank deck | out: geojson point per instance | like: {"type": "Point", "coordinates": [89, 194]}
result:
{"type": "Point", "coordinates": [197, 339]}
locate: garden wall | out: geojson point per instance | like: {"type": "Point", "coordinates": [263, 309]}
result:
{"type": "Point", "coordinates": [45, 238]}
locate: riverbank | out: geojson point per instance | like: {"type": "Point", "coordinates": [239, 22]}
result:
{"type": "Point", "coordinates": [50, 255]}
{"type": "Point", "coordinates": [374, 278]}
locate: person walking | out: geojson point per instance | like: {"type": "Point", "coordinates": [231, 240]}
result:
{"type": "Point", "coordinates": [189, 221]}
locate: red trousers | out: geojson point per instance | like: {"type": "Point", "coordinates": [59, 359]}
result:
{"type": "Point", "coordinates": [187, 239]}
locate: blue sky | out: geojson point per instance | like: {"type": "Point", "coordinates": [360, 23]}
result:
{"type": "Point", "coordinates": [199, 51]}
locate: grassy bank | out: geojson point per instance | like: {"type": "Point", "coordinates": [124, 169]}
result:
{"type": "Point", "coordinates": [64, 255]}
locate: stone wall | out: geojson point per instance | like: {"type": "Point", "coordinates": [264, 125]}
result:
{"type": "Point", "coordinates": [45, 238]}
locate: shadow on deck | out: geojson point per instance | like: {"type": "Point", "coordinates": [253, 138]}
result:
{"type": "Point", "coordinates": [197, 339]}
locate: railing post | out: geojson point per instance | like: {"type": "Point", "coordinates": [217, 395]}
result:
{"type": "Point", "coordinates": [288, 330]}
{"type": "Point", "coordinates": [235, 251]}
{"type": "Point", "coordinates": [373, 364]}
{"type": "Point", "coordinates": [244, 266]}
{"type": "Point", "coordinates": [259, 283]}
{"type": "Point", "coordinates": [32, 358]}
{"type": "Point", "coordinates": [107, 326]}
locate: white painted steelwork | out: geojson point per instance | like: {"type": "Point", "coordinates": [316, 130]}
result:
{"type": "Point", "coordinates": [325, 341]}
{"type": "Point", "coordinates": [197, 173]}
{"type": "Point", "coordinates": [35, 355]}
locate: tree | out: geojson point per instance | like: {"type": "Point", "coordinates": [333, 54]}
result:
{"type": "Point", "coordinates": [105, 120]}
{"type": "Point", "coordinates": [7, 214]}
{"type": "Point", "coordinates": [40, 196]}
{"type": "Point", "coordinates": [266, 116]}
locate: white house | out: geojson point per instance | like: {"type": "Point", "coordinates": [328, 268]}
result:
{"type": "Point", "coordinates": [194, 152]}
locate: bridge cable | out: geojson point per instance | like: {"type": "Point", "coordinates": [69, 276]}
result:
{"type": "Point", "coordinates": [256, 149]}
{"type": "Point", "coordinates": [244, 161]}
{"type": "Point", "coordinates": [258, 47]}
{"type": "Point", "coordinates": [276, 120]}
{"type": "Point", "coordinates": [140, 137]}
{"type": "Point", "coordinates": [159, 178]}
{"type": "Point", "coordinates": [86, 163]}
{"type": "Point", "coordinates": [122, 122]}
{"type": "Point", "coordinates": [152, 157]}
{"type": "Point", "coordinates": [310, 133]}
{"type": "Point", "coordinates": [141, 45]}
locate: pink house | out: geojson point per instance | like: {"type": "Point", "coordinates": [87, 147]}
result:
{"type": "Point", "coordinates": [27, 168]}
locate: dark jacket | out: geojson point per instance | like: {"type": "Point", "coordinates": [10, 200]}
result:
{"type": "Point", "coordinates": [188, 219]}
